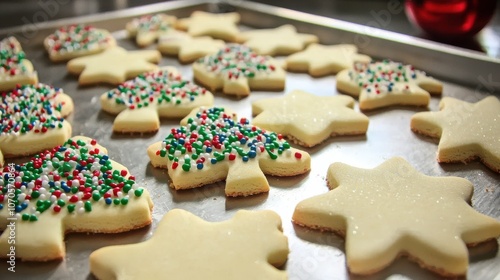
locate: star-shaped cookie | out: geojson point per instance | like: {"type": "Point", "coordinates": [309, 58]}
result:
{"type": "Point", "coordinates": [394, 210]}
{"type": "Point", "coordinates": [139, 103]}
{"type": "Point", "coordinates": [236, 69]}
{"type": "Point", "coordinates": [74, 187]}
{"type": "Point", "coordinates": [309, 119]}
{"type": "Point", "coordinates": [113, 66]}
{"type": "Point", "coordinates": [466, 130]}
{"type": "Point", "coordinates": [188, 48]}
{"type": "Point", "coordinates": [146, 29]}
{"type": "Point", "coordinates": [218, 26]}
{"type": "Point", "coordinates": [283, 40]}
{"type": "Point", "coordinates": [15, 69]}
{"type": "Point", "coordinates": [33, 120]}
{"type": "Point", "coordinates": [249, 246]}
{"type": "Point", "coordinates": [386, 83]}
{"type": "Point", "coordinates": [213, 145]}
{"type": "Point", "coordinates": [77, 40]}
{"type": "Point", "coordinates": [320, 60]}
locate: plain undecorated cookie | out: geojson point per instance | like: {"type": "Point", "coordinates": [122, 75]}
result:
{"type": "Point", "coordinates": [33, 120]}
{"type": "Point", "coordinates": [309, 119]}
{"type": "Point", "coordinates": [217, 26]}
{"type": "Point", "coordinates": [320, 60]}
{"type": "Point", "coordinates": [77, 40]}
{"type": "Point", "coordinates": [248, 246]}
{"type": "Point", "coordinates": [146, 29]}
{"type": "Point", "coordinates": [283, 40]}
{"type": "Point", "coordinates": [236, 70]}
{"type": "Point", "coordinates": [212, 145]}
{"type": "Point", "coordinates": [71, 188]}
{"type": "Point", "coordinates": [187, 48]}
{"type": "Point", "coordinates": [466, 130]}
{"type": "Point", "coordinates": [15, 69]}
{"type": "Point", "coordinates": [394, 210]}
{"type": "Point", "coordinates": [139, 103]}
{"type": "Point", "coordinates": [386, 83]}
{"type": "Point", "coordinates": [113, 66]}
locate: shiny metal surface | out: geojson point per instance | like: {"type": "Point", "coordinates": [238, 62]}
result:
{"type": "Point", "coordinates": [313, 255]}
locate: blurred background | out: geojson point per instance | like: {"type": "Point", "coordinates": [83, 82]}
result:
{"type": "Point", "coordinates": [367, 12]}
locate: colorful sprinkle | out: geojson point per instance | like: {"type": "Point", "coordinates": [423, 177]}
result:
{"type": "Point", "coordinates": [12, 59]}
{"type": "Point", "coordinates": [77, 37]}
{"type": "Point", "coordinates": [47, 184]}
{"type": "Point", "coordinates": [214, 136]}
{"type": "Point", "coordinates": [236, 60]}
{"type": "Point", "coordinates": [30, 108]}
{"type": "Point", "coordinates": [151, 23]}
{"type": "Point", "coordinates": [156, 87]}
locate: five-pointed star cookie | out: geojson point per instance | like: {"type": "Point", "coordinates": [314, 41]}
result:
{"type": "Point", "coordinates": [248, 246]}
{"type": "Point", "coordinates": [212, 145]}
{"type": "Point", "coordinates": [386, 83]}
{"type": "Point", "coordinates": [113, 66]}
{"type": "Point", "coordinates": [146, 29]}
{"type": "Point", "coordinates": [236, 69]}
{"type": "Point", "coordinates": [139, 103]}
{"type": "Point", "coordinates": [218, 26]}
{"type": "Point", "coordinates": [320, 60]}
{"type": "Point", "coordinates": [283, 40]}
{"type": "Point", "coordinates": [15, 69]}
{"type": "Point", "coordinates": [77, 40]}
{"type": "Point", "coordinates": [394, 210]}
{"type": "Point", "coordinates": [466, 130]}
{"type": "Point", "coordinates": [74, 187]}
{"type": "Point", "coordinates": [309, 119]}
{"type": "Point", "coordinates": [33, 120]}
{"type": "Point", "coordinates": [188, 48]}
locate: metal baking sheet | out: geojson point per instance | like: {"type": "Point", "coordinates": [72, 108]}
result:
{"type": "Point", "coordinates": [314, 255]}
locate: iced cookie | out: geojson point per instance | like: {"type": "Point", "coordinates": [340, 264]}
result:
{"type": "Point", "coordinates": [113, 66]}
{"type": "Point", "coordinates": [146, 29]}
{"type": "Point", "coordinates": [386, 83]}
{"type": "Point", "coordinates": [320, 60]}
{"type": "Point", "coordinates": [394, 210]}
{"type": "Point", "coordinates": [213, 145]}
{"type": "Point", "coordinates": [249, 246]}
{"type": "Point", "coordinates": [33, 120]}
{"type": "Point", "coordinates": [466, 130]}
{"type": "Point", "coordinates": [74, 187]}
{"type": "Point", "coordinates": [309, 119]}
{"type": "Point", "coordinates": [218, 26]}
{"type": "Point", "coordinates": [77, 40]}
{"type": "Point", "coordinates": [139, 103]}
{"type": "Point", "coordinates": [188, 48]}
{"type": "Point", "coordinates": [236, 69]}
{"type": "Point", "coordinates": [15, 69]}
{"type": "Point", "coordinates": [283, 40]}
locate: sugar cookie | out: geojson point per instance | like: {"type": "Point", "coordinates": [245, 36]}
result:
{"type": "Point", "coordinates": [320, 60]}
{"type": "Point", "coordinates": [236, 70]}
{"type": "Point", "coordinates": [218, 26]}
{"type": "Point", "coordinates": [32, 120]}
{"type": "Point", "coordinates": [467, 131]}
{"type": "Point", "coordinates": [77, 40]}
{"type": "Point", "coordinates": [283, 40]}
{"type": "Point", "coordinates": [249, 246]}
{"type": "Point", "coordinates": [188, 48]}
{"type": "Point", "coordinates": [113, 66]}
{"type": "Point", "coordinates": [146, 29]}
{"type": "Point", "coordinates": [395, 210]}
{"type": "Point", "coordinates": [308, 119]}
{"type": "Point", "coordinates": [387, 83]}
{"type": "Point", "coordinates": [15, 69]}
{"type": "Point", "coordinates": [70, 188]}
{"type": "Point", "coordinates": [213, 145]}
{"type": "Point", "coordinates": [139, 103]}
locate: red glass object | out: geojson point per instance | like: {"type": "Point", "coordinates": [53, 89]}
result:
{"type": "Point", "coordinates": [451, 18]}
